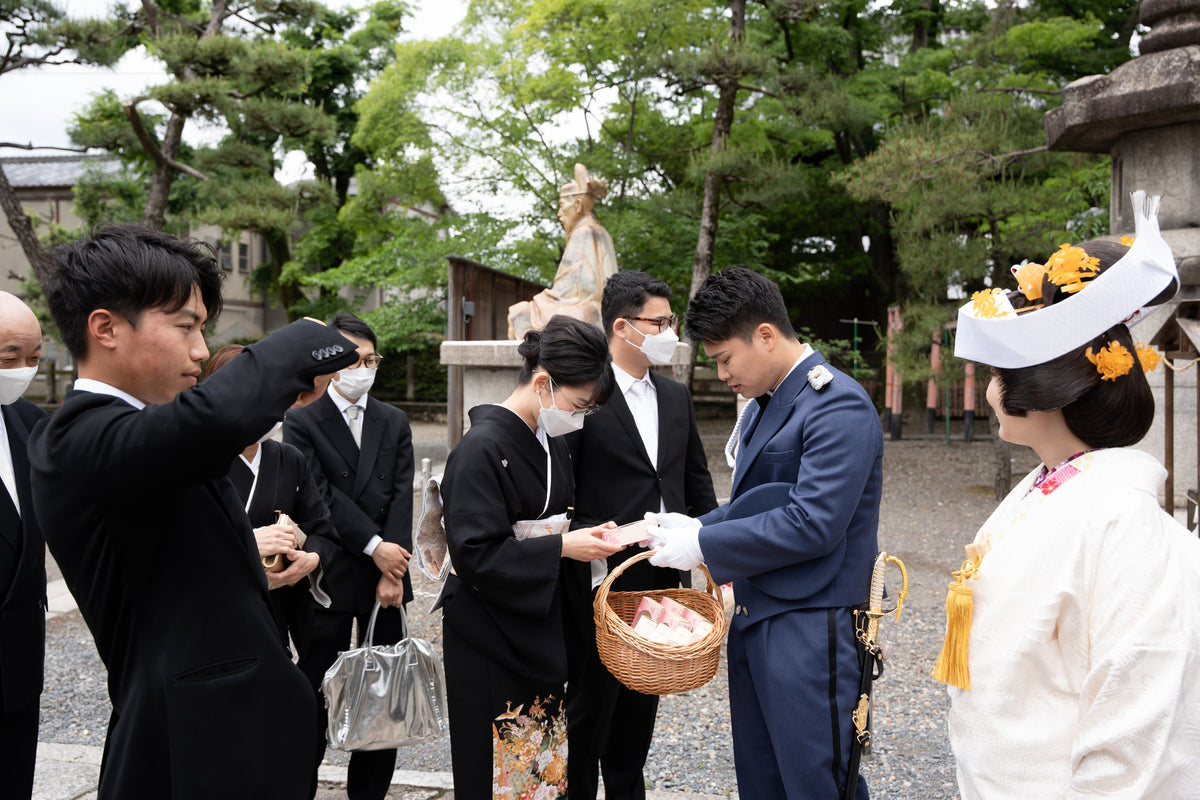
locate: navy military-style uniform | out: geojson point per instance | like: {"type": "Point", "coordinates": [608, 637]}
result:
{"type": "Point", "coordinates": [798, 540]}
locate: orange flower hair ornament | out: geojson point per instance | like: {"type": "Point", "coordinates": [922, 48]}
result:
{"type": "Point", "coordinates": [1148, 357]}
{"type": "Point", "coordinates": [991, 303]}
{"type": "Point", "coordinates": [1127, 240]}
{"type": "Point", "coordinates": [1112, 361]}
{"type": "Point", "coordinates": [1070, 266]}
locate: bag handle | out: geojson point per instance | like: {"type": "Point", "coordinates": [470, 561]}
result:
{"type": "Point", "coordinates": [371, 626]}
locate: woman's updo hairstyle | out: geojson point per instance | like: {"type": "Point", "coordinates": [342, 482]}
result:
{"type": "Point", "coordinates": [1101, 413]}
{"type": "Point", "coordinates": [573, 352]}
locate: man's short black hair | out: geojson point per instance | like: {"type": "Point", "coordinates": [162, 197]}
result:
{"type": "Point", "coordinates": [345, 322]}
{"type": "Point", "coordinates": [128, 269]}
{"type": "Point", "coordinates": [626, 293]}
{"type": "Point", "coordinates": [733, 303]}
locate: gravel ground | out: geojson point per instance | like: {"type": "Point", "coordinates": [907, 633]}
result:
{"type": "Point", "coordinates": [935, 497]}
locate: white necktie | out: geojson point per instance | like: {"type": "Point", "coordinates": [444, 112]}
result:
{"type": "Point", "coordinates": [355, 424]}
{"type": "Point", "coordinates": [8, 475]}
{"type": "Point", "coordinates": [645, 416]}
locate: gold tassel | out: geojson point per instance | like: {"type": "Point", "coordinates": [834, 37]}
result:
{"type": "Point", "coordinates": [951, 666]}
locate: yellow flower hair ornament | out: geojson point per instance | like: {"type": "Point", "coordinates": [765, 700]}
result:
{"type": "Point", "coordinates": [1148, 357]}
{"type": "Point", "coordinates": [991, 303]}
{"type": "Point", "coordinates": [1070, 266]}
{"type": "Point", "coordinates": [1112, 361]}
{"type": "Point", "coordinates": [1126, 240]}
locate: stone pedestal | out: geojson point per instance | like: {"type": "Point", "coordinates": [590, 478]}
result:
{"type": "Point", "coordinates": [490, 371]}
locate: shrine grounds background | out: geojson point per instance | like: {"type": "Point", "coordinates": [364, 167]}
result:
{"type": "Point", "coordinates": [936, 495]}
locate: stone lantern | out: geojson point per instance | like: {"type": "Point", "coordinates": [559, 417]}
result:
{"type": "Point", "coordinates": [1146, 115]}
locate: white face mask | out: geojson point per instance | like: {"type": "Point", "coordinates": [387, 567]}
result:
{"type": "Point", "coordinates": [278, 426]}
{"type": "Point", "coordinates": [14, 382]}
{"type": "Point", "coordinates": [556, 422]}
{"type": "Point", "coordinates": [354, 383]}
{"type": "Point", "coordinates": [659, 347]}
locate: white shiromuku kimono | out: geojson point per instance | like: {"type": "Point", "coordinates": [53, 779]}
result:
{"type": "Point", "coordinates": [1085, 642]}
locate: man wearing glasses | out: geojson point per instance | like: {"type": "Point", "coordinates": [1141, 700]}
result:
{"type": "Point", "coordinates": [360, 452]}
{"type": "Point", "coordinates": [640, 452]}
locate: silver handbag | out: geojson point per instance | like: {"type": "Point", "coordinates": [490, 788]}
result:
{"type": "Point", "coordinates": [387, 696]}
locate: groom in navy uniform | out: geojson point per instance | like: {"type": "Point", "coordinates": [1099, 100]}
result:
{"type": "Point", "coordinates": [640, 452]}
{"type": "Point", "coordinates": [798, 540]}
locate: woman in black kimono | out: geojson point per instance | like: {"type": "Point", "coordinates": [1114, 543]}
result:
{"type": "Point", "coordinates": [506, 491]}
{"type": "Point", "coordinates": [270, 477]}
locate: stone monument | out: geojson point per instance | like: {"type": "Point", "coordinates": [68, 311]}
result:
{"type": "Point", "coordinates": [1146, 115]}
{"type": "Point", "coordinates": [587, 262]}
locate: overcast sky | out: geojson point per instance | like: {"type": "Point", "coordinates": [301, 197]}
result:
{"type": "Point", "coordinates": [39, 103]}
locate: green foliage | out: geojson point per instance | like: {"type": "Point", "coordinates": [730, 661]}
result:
{"type": "Point", "coordinates": [965, 171]}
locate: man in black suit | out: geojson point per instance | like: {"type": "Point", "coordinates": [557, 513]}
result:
{"type": "Point", "coordinates": [641, 452]}
{"type": "Point", "coordinates": [130, 488]}
{"type": "Point", "coordinates": [22, 549]}
{"type": "Point", "coordinates": [361, 456]}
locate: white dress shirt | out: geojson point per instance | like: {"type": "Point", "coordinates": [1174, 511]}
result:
{"type": "Point", "coordinates": [642, 399]}
{"type": "Point", "coordinates": [7, 473]}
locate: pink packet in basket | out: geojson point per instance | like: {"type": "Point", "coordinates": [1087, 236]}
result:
{"type": "Point", "coordinates": [689, 616]}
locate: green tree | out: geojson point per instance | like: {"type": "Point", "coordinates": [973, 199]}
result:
{"type": "Point", "coordinates": [39, 34]}
{"type": "Point", "coordinates": [276, 77]}
{"type": "Point", "coordinates": [971, 184]}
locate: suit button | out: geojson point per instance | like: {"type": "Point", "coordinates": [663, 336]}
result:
{"type": "Point", "coordinates": [337, 348]}
{"type": "Point", "coordinates": [381, 476]}
{"type": "Point", "coordinates": [316, 355]}
{"type": "Point", "coordinates": [345, 474]}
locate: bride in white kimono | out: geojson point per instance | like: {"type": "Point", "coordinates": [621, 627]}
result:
{"type": "Point", "coordinates": [1079, 674]}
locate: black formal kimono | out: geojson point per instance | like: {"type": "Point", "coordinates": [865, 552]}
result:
{"type": "Point", "coordinates": [285, 484]}
{"type": "Point", "coordinates": [154, 544]}
{"type": "Point", "coordinates": [616, 480]}
{"type": "Point", "coordinates": [22, 609]}
{"type": "Point", "coordinates": [505, 654]}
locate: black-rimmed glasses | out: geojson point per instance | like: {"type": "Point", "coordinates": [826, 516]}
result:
{"type": "Point", "coordinates": [662, 323]}
{"type": "Point", "coordinates": [371, 361]}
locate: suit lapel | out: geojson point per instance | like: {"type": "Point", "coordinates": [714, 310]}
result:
{"type": "Point", "coordinates": [335, 427]}
{"type": "Point", "coordinates": [666, 424]}
{"type": "Point", "coordinates": [375, 430]}
{"type": "Point", "coordinates": [227, 498]}
{"type": "Point", "coordinates": [263, 501]}
{"type": "Point", "coordinates": [10, 520]}
{"type": "Point", "coordinates": [625, 417]}
{"type": "Point", "coordinates": [772, 419]}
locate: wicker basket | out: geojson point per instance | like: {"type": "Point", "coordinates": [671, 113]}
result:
{"type": "Point", "coordinates": [651, 667]}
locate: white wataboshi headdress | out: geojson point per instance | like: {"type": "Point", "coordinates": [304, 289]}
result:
{"type": "Point", "coordinates": [992, 332]}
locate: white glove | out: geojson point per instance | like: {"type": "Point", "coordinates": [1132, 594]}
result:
{"type": "Point", "coordinates": [682, 547]}
{"type": "Point", "coordinates": [669, 524]}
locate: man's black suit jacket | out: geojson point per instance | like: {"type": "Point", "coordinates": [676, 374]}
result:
{"type": "Point", "coordinates": [614, 479]}
{"type": "Point", "coordinates": [22, 573]}
{"type": "Point", "coordinates": [368, 491]}
{"type": "Point", "coordinates": [154, 544]}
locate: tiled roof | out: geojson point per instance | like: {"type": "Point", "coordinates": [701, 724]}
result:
{"type": "Point", "coordinates": [29, 172]}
